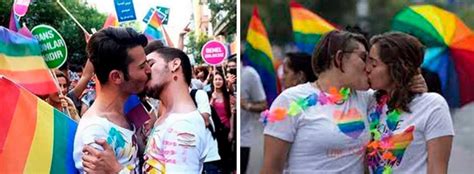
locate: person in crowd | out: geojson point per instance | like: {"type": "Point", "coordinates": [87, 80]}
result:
{"type": "Point", "coordinates": [339, 63]}
{"type": "Point", "coordinates": [222, 101]}
{"type": "Point", "coordinates": [252, 102]}
{"type": "Point", "coordinates": [60, 101]}
{"type": "Point", "coordinates": [411, 133]}
{"type": "Point", "coordinates": [297, 69]}
{"type": "Point", "coordinates": [119, 61]}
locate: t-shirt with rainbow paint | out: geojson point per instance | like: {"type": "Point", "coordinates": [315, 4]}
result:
{"type": "Point", "coordinates": [429, 118]}
{"type": "Point", "coordinates": [123, 141]}
{"type": "Point", "coordinates": [328, 138]}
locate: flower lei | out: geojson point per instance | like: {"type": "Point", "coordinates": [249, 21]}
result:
{"type": "Point", "coordinates": [296, 107]}
{"type": "Point", "coordinates": [381, 143]}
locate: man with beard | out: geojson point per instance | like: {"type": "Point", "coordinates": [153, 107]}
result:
{"type": "Point", "coordinates": [120, 64]}
{"type": "Point", "coordinates": [178, 142]}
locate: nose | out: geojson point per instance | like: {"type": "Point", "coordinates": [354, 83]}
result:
{"type": "Point", "coordinates": [368, 68]}
{"type": "Point", "coordinates": [147, 69]}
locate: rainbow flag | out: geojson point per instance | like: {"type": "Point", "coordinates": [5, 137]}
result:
{"type": "Point", "coordinates": [111, 21]}
{"type": "Point", "coordinates": [307, 27]}
{"type": "Point", "coordinates": [258, 54]}
{"type": "Point", "coordinates": [401, 142]}
{"type": "Point", "coordinates": [135, 111]}
{"type": "Point", "coordinates": [21, 61]}
{"type": "Point", "coordinates": [34, 137]}
{"type": "Point", "coordinates": [153, 30]}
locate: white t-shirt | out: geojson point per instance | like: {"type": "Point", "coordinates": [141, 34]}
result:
{"type": "Point", "coordinates": [177, 145]}
{"type": "Point", "coordinates": [203, 106]}
{"type": "Point", "coordinates": [429, 119]}
{"type": "Point", "coordinates": [122, 140]}
{"type": "Point", "coordinates": [251, 90]}
{"type": "Point", "coordinates": [196, 84]}
{"type": "Point", "coordinates": [326, 138]}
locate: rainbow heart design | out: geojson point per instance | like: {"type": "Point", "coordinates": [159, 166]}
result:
{"type": "Point", "coordinates": [350, 123]}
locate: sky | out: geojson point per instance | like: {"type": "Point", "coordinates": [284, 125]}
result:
{"type": "Point", "coordinates": [179, 17]}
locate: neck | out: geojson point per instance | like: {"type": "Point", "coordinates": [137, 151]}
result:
{"type": "Point", "coordinates": [217, 90]}
{"type": "Point", "coordinates": [176, 98]}
{"type": "Point", "coordinates": [110, 100]}
{"type": "Point", "coordinates": [329, 79]}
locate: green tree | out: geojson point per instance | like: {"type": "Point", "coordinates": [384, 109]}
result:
{"type": "Point", "coordinates": [225, 14]}
{"type": "Point", "coordinates": [194, 45]}
{"type": "Point", "coordinates": [50, 13]}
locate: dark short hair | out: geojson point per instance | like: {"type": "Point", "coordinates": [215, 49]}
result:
{"type": "Point", "coordinates": [169, 54]}
{"type": "Point", "coordinates": [108, 50]}
{"type": "Point", "coordinates": [403, 54]}
{"type": "Point", "coordinates": [153, 45]}
{"type": "Point", "coordinates": [325, 52]}
{"type": "Point", "coordinates": [299, 61]}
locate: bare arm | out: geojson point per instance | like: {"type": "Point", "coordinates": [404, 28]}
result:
{"type": "Point", "coordinates": [439, 150]}
{"type": "Point", "coordinates": [257, 106]}
{"type": "Point", "coordinates": [86, 76]}
{"type": "Point", "coordinates": [181, 37]}
{"type": "Point", "coordinates": [274, 155]}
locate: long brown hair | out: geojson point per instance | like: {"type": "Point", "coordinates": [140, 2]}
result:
{"type": "Point", "coordinates": [224, 91]}
{"type": "Point", "coordinates": [403, 55]}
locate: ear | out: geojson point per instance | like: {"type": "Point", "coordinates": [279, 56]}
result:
{"type": "Point", "coordinates": [338, 59]}
{"type": "Point", "coordinates": [116, 77]}
{"type": "Point", "coordinates": [175, 64]}
{"type": "Point", "coordinates": [301, 76]}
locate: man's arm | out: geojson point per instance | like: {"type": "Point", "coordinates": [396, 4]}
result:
{"type": "Point", "coordinates": [87, 74]}
{"type": "Point", "coordinates": [257, 106]}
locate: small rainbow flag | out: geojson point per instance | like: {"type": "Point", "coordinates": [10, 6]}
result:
{"type": "Point", "coordinates": [258, 54]}
{"type": "Point", "coordinates": [21, 61]}
{"type": "Point", "coordinates": [111, 21]}
{"type": "Point", "coordinates": [153, 30]}
{"type": "Point", "coordinates": [307, 27]}
{"type": "Point", "coordinates": [34, 137]}
{"type": "Point", "coordinates": [401, 142]}
{"type": "Point", "coordinates": [135, 111]}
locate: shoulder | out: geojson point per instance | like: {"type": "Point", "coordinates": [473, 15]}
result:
{"type": "Point", "coordinates": [201, 93]}
{"type": "Point", "coordinates": [301, 90]}
{"type": "Point", "coordinates": [294, 93]}
{"type": "Point", "coordinates": [430, 98]}
{"type": "Point", "coordinates": [92, 123]}
{"type": "Point", "coordinates": [248, 70]}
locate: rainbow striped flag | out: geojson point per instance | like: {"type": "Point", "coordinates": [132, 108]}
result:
{"type": "Point", "coordinates": [258, 54]}
{"type": "Point", "coordinates": [34, 137]}
{"type": "Point", "coordinates": [307, 27]}
{"type": "Point", "coordinates": [153, 30]}
{"type": "Point", "coordinates": [135, 111]}
{"type": "Point", "coordinates": [21, 61]}
{"type": "Point", "coordinates": [111, 21]}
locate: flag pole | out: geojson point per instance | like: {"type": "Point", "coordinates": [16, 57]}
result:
{"type": "Point", "coordinates": [72, 17]}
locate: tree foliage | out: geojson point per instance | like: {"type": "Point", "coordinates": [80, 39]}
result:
{"type": "Point", "coordinates": [50, 13]}
{"type": "Point", "coordinates": [195, 43]}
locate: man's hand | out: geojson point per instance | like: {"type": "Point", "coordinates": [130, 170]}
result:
{"type": "Point", "coordinates": [185, 31]}
{"type": "Point", "coordinates": [95, 161]}
{"type": "Point", "coordinates": [231, 79]}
